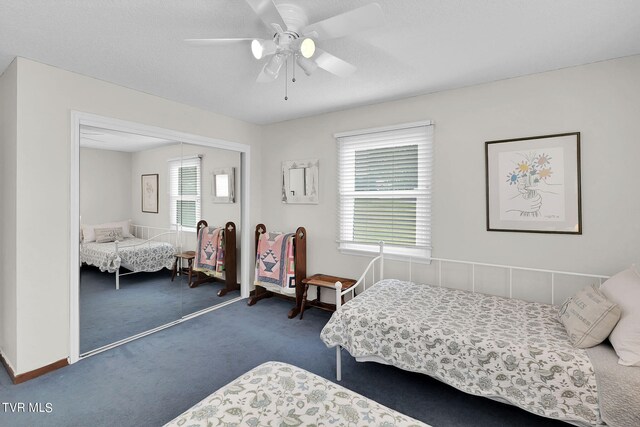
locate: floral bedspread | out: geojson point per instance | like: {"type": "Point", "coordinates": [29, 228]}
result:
{"type": "Point", "coordinates": [148, 256]}
{"type": "Point", "coordinates": [278, 394]}
{"type": "Point", "coordinates": [506, 349]}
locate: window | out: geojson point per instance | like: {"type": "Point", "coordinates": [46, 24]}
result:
{"type": "Point", "coordinates": [185, 192]}
{"type": "Point", "coordinates": [384, 187]}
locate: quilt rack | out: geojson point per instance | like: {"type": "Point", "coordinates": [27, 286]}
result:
{"type": "Point", "coordinates": [230, 264]}
{"type": "Point", "coordinates": [300, 259]}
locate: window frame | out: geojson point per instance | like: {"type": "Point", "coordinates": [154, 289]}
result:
{"type": "Point", "coordinates": [422, 195]}
{"type": "Point", "coordinates": [177, 164]}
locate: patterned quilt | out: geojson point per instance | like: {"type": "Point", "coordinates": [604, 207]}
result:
{"type": "Point", "coordinates": [506, 349]}
{"type": "Point", "coordinates": [276, 394]}
{"type": "Point", "coordinates": [149, 256]}
{"type": "Point", "coordinates": [210, 252]}
{"type": "Point", "coordinates": [275, 262]}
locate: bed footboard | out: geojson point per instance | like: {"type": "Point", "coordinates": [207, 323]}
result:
{"type": "Point", "coordinates": [166, 235]}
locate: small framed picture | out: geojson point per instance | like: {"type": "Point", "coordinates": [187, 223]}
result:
{"type": "Point", "coordinates": [150, 193]}
{"type": "Point", "coordinates": [533, 184]}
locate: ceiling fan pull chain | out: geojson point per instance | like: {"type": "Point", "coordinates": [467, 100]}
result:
{"type": "Point", "coordinates": [293, 69]}
{"type": "Point", "coordinates": [286, 79]}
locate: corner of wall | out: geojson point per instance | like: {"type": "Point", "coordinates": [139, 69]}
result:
{"type": "Point", "coordinates": [8, 217]}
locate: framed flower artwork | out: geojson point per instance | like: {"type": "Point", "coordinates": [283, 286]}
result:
{"type": "Point", "coordinates": [533, 184]}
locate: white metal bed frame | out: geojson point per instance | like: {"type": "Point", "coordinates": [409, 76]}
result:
{"type": "Point", "coordinates": [362, 281]}
{"type": "Point", "coordinates": [140, 231]}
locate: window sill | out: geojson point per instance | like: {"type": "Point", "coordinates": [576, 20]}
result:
{"type": "Point", "coordinates": [183, 229]}
{"type": "Point", "coordinates": [390, 253]}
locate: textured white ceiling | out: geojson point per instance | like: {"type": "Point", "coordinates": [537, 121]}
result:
{"type": "Point", "coordinates": [424, 46]}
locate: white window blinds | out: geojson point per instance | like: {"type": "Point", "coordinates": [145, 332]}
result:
{"type": "Point", "coordinates": [384, 187]}
{"type": "Point", "coordinates": [185, 192]}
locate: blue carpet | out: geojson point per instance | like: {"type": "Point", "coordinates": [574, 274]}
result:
{"type": "Point", "coordinates": [152, 380]}
{"type": "Point", "coordinates": [143, 302]}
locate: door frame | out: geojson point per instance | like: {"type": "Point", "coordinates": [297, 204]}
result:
{"type": "Point", "coordinates": [79, 118]}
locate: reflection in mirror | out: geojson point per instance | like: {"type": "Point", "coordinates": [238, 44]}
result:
{"type": "Point", "coordinates": [297, 181]}
{"type": "Point", "coordinates": [300, 181]}
{"type": "Point", "coordinates": [214, 275]}
{"type": "Point", "coordinates": [141, 199]}
{"type": "Point", "coordinates": [124, 292]}
{"type": "Point", "coordinates": [223, 184]}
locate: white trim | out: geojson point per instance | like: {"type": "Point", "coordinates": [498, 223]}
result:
{"type": "Point", "coordinates": [246, 257]}
{"type": "Point", "coordinates": [159, 328]}
{"type": "Point", "coordinates": [421, 254]}
{"type": "Point", "coordinates": [175, 159]}
{"type": "Point", "coordinates": [387, 255]}
{"type": "Point", "coordinates": [383, 128]}
{"type": "Point", "coordinates": [74, 247]}
{"type": "Point", "coordinates": [80, 118]}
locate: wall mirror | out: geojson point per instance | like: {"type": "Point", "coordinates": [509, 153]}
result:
{"type": "Point", "coordinates": [223, 185]}
{"type": "Point", "coordinates": [300, 181]}
{"type": "Point", "coordinates": [138, 268]}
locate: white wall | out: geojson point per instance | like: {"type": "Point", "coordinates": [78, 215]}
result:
{"type": "Point", "coordinates": [8, 173]}
{"type": "Point", "coordinates": [46, 97]}
{"type": "Point", "coordinates": [602, 101]}
{"type": "Point", "coordinates": [105, 186]}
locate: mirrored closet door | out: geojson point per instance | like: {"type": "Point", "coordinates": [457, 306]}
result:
{"type": "Point", "coordinates": [141, 201]}
{"type": "Point", "coordinates": [209, 197]}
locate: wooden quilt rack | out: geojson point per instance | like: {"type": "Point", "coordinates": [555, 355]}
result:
{"type": "Point", "coordinates": [300, 255]}
{"type": "Point", "coordinates": [230, 265]}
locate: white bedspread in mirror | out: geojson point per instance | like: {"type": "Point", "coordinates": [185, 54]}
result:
{"type": "Point", "coordinates": [133, 253]}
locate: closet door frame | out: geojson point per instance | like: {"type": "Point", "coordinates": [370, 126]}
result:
{"type": "Point", "coordinates": [81, 118]}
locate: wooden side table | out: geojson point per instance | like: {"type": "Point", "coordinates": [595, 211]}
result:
{"type": "Point", "coordinates": [189, 256]}
{"type": "Point", "coordinates": [323, 281]}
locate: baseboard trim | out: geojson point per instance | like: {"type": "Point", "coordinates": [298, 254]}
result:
{"type": "Point", "coordinates": [20, 378]}
{"type": "Point", "coordinates": [7, 367]}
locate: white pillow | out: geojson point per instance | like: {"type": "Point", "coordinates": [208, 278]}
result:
{"type": "Point", "coordinates": [89, 234]}
{"type": "Point", "coordinates": [624, 290]}
{"type": "Point", "coordinates": [589, 317]}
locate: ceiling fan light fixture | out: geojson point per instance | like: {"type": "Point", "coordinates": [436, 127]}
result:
{"type": "Point", "coordinates": [262, 48]}
{"type": "Point", "coordinates": [272, 68]}
{"type": "Point", "coordinates": [307, 47]}
{"type": "Point", "coordinates": [307, 65]}
{"type": "Point", "coordinates": [256, 49]}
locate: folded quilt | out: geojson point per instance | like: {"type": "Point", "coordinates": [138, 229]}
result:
{"type": "Point", "coordinates": [275, 261]}
{"type": "Point", "coordinates": [210, 251]}
{"type": "Point", "coordinates": [618, 387]}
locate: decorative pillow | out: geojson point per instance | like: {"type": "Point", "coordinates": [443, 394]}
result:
{"type": "Point", "coordinates": [624, 290]}
{"type": "Point", "coordinates": [89, 235]}
{"type": "Point", "coordinates": [104, 235]}
{"type": "Point", "coordinates": [589, 317]}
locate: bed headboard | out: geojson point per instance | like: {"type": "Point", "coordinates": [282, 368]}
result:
{"type": "Point", "coordinates": [529, 284]}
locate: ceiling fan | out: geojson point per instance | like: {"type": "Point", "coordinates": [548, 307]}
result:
{"type": "Point", "coordinates": [297, 40]}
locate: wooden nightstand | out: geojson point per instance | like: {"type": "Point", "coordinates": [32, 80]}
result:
{"type": "Point", "coordinates": [179, 268]}
{"type": "Point", "coordinates": [323, 281]}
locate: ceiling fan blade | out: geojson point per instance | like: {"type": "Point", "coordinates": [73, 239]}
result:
{"type": "Point", "coordinates": [333, 64]}
{"type": "Point", "coordinates": [267, 11]}
{"type": "Point", "coordinates": [213, 42]}
{"type": "Point", "coordinates": [351, 22]}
